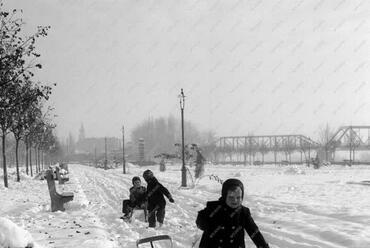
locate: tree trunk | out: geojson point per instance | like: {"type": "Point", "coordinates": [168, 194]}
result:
{"type": "Point", "coordinates": [36, 164]}
{"type": "Point", "coordinates": [26, 143]}
{"type": "Point", "coordinates": [39, 158]}
{"type": "Point", "coordinates": [245, 158]}
{"type": "Point", "coordinates": [42, 159]}
{"type": "Point", "coordinates": [16, 159]}
{"type": "Point", "coordinates": [354, 155]}
{"type": "Point", "coordinates": [4, 161]}
{"type": "Point", "coordinates": [31, 161]}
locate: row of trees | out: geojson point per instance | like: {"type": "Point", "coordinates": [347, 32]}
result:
{"type": "Point", "coordinates": [22, 100]}
{"type": "Point", "coordinates": [161, 134]}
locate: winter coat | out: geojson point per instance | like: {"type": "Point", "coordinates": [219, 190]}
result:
{"type": "Point", "coordinates": [137, 195]}
{"type": "Point", "coordinates": [199, 159]}
{"type": "Point", "coordinates": [224, 226]}
{"type": "Point", "coordinates": [155, 192]}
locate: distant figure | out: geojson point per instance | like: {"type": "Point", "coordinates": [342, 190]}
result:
{"type": "Point", "coordinates": [199, 164]}
{"type": "Point", "coordinates": [316, 162]}
{"type": "Point", "coordinates": [156, 201]}
{"type": "Point", "coordinates": [223, 222]}
{"type": "Point", "coordinates": [162, 165]}
{"type": "Point", "coordinates": [137, 199]}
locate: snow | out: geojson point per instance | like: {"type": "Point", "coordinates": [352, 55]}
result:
{"type": "Point", "coordinates": [294, 206]}
{"type": "Point", "coordinates": [13, 236]}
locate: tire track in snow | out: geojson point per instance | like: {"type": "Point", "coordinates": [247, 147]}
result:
{"type": "Point", "coordinates": [191, 204]}
{"type": "Point", "coordinates": [270, 215]}
{"type": "Point", "coordinates": [105, 191]}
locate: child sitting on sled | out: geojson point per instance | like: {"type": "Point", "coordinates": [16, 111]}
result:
{"type": "Point", "coordinates": [137, 199]}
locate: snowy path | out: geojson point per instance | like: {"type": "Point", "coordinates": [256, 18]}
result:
{"type": "Point", "coordinates": [295, 207]}
{"type": "Point", "coordinates": [286, 222]}
{"type": "Point", "coordinates": [106, 190]}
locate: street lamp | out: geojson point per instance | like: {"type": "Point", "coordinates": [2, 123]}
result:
{"type": "Point", "coordinates": [183, 169]}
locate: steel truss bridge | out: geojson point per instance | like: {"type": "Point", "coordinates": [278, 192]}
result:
{"type": "Point", "coordinates": [243, 149]}
{"type": "Point", "coordinates": [349, 138]}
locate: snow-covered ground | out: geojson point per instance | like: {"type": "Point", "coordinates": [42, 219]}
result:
{"type": "Point", "coordinates": [294, 206]}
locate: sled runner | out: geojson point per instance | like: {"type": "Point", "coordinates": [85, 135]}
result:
{"type": "Point", "coordinates": [361, 182]}
{"type": "Point", "coordinates": [141, 243]}
{"type": "Point", "coordinates": [137, 213]}
{"type": "Point", "coordinates": [126, 218]}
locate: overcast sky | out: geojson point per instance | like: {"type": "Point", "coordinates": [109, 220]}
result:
{"type": "Point", "coordinates": [261, 67]}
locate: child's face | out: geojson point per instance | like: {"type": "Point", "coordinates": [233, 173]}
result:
{"type": "Point", "coordinates": [234, 198]}
{"type": "Point", "coordinates": [137, 183]}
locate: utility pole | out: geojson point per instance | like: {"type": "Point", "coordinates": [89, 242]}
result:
{"type": "Point", "coordinates": [123, 150]}
{"type": "Point", "coordinates": [183, 169]}
{"type": "Point", "coordinates": [105, 159]}
{"type": "Point", "coordinates": [95, 162]}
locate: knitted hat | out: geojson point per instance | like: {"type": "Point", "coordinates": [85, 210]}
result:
{"type": "Point", "coordinates": [231, 184]}
{"type": "Point", "coordinates": [134, 179]}
{"type": "Point", "coordinates": [148, 174]}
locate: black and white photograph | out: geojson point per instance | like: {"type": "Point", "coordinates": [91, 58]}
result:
{"type": "Point", "coordinates": [184, 123]}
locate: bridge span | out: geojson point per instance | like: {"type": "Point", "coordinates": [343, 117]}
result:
{"type": "Point", "coordinates": [245, 149]}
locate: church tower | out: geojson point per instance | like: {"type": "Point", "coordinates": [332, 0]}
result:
{"type": "Point", "coordinates": [81, 133]}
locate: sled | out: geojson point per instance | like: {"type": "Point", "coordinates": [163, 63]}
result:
{"type": "Point", "coordinates": [137, 213]}
{"type": "Point", "coordinates": [141, 243]}
{"type": "Point", "coordinates": [126, 219]}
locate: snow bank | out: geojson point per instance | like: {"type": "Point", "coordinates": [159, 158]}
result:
{"type": "Point", "coordinates": [13, 236]}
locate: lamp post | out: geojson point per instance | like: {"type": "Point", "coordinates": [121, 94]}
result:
{"type": "Point", "coordinates": [105, 159]}
{"type": "Point", "coordinates": [183, 169]}
{"type": "Point", "coordinates": [123, 150]}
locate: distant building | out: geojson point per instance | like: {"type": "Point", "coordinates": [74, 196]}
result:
{"type": "Point", "coordinates": [81, 133]}
{"type": "Point", "coordinates": [88, 145]}
{"type": "Point", "coordinates": [95, 144]}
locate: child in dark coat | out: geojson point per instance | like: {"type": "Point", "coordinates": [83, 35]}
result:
{"type": "Point", "coordinates": [156, 201]}
{"type": "Point", "coordinates": [223, 222]}
{"type": "Point", "coordinates": [137, 199]}
{"type": "Point", "coordinates": [199, 164]}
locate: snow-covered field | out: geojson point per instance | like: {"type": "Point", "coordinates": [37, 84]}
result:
{"type": "Point", "coordinates": [294, 206]}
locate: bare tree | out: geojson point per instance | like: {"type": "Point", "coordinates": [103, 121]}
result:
{"type": "Point", "coordinates": [263, 149]}
{"type": "Point", "coordinates": [288, 148]}
{"type": "Point", "coordinates": [24, 113]}
{"type": "Point", "coordinates": [17, 56]}
{"type": "Point", "coordinates": [324, 136]}
{"type": "Point", "coordinates": [161, 135]}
